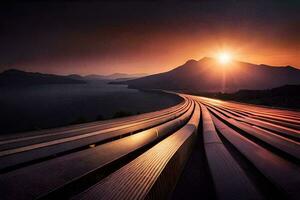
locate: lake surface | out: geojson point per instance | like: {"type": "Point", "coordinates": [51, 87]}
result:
{"type": "Point", "coordinates": [48, 106]}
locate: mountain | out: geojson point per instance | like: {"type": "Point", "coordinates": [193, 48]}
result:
{"type": "Point", "coordinates": [15, 77]}
{"type": "Point", "coordinates": [286, 96]}
{"type": "Point", "coordinates": [123, 75]}
{"type": "Point", "coordinates": [75, 76]}
{"type": "Point", "coordinates": [208, 75]}
{"type": "Point", "coordinates": [114, 76]}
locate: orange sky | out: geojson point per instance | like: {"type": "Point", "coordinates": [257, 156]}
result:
{"type": "Point", "coordinates": [165, 52]}
{"type": "Point", "coordinates": [145, 37]}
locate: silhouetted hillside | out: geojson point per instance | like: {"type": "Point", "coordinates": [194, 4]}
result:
{"type": "Point", "coordinates": [76, 77]}
{"type": "Point", "coordinates": [20, 78]}
{"type": "Point", "coordinates": [114, 76]}
{"type": "Point", "coordinates": [208, 75]}
{"type": "Point", "coordinates": [287, 96]}
{"type": "Point", "coordinates": [15, 77]}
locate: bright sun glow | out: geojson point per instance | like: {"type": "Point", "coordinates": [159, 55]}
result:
{"type": "Point", "coordinates": [224, 58]}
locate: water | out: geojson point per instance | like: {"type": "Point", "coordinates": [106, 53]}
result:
{"type": "Point", "coordinates": [48, 106]}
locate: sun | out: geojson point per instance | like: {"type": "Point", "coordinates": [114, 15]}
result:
{"type": "Point", "coordinates": [224, 57]}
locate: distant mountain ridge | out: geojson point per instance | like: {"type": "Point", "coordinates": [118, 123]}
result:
{"type": "Point", "coordinates": [208, 75]}
{"type": "Point", "coordinates": [286, 96]}
{"type": "Point", "coordinates": [115, 76]}
{"type": "Point", "coordinates": [15, 77]}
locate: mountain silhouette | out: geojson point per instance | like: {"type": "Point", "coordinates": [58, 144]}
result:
{"type": "Point", "coordinates": [286, 96]}
{"type": "Point", "coordinates": [15, 77]}
{"type": "Point", "coordinates": [114, 76]}
{"type": "Point", "coordinates": [208, 75]}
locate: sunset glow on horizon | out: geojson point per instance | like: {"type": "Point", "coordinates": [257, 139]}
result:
{"type": "Point", "coordinates": [115, 38]}
{"type": "Point", "coordinates": [150, 99]}
{"type": "Point", "coordinates": [224, 58]}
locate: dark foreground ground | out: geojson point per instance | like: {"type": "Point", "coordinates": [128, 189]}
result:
{"type": "Point", "coordinates": [47, 106]}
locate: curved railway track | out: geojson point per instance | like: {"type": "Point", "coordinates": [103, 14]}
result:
{"type": "Point", "coordinates": [250, 152]}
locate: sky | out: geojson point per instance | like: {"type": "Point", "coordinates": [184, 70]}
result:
{"type": "Point", "coordinates": [104, 37]}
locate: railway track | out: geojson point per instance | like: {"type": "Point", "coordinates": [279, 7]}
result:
{"type": "Point", "coordinates": [250, 152]}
